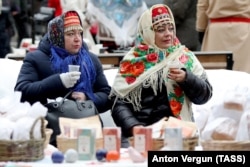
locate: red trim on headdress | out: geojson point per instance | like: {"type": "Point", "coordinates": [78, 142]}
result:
{"type": "Point", "coordinates": [160, 15]}
{"type": "Point", "coordinates": [159, 11]}
{"type": "Point", "coordinates": [71, 19]}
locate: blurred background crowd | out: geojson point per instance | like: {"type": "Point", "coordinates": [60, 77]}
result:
{"type": "Point", "coordinates": [201, 25]}
{"type": "Point", "coordinates": [113, 23]}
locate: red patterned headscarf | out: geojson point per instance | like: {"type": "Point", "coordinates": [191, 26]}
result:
{"type": "Point", "coordinates": [146, 65]}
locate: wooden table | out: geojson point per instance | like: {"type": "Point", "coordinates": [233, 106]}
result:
{"type": "Point", "coordinates": [111, 58]}
{"type": "Point", "coordinates": [14, 56]}
{"type": "Point", "coordinates": [216, 59]}
{"type": "Point", "coordinates": [210, 60]}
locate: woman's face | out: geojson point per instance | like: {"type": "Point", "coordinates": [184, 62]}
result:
{"type": "Point", "coordinates": [73, 41]}
{"type": "Point", "coordinates": [164, 35]}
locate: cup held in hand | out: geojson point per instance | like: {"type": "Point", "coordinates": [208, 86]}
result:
{"type": "Point", "coordinates": [174, 64]}
{"type": "Point", "coordinates": [74, 68]}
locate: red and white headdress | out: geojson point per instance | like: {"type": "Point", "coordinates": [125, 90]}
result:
{"type": "Point", "coordinates": [161, 15]}
{"type": "Point", "coordinates": [72, 21]}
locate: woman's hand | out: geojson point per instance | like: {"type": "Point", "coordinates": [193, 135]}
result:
{"type": "Point", "coordinates": [177, 74]}
{"type": "Point", "coordinates": [80, 96]}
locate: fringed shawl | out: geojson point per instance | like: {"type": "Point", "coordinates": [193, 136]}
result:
{"type": "Point", "coordinates": [146, 66]}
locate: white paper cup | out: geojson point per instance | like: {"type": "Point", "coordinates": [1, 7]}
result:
{"type": "Point", "coordinates": [174, 64]}
{"type": "Point", "coordinates": [74, 68]}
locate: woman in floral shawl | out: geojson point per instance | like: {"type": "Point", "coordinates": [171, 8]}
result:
{"type": "Point", "coordinates": [146, 87]}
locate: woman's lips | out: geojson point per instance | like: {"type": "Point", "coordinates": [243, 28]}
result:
{"type": "Point", "coordinates": [167, 41]}
{"type": "Point", "coordinates": [76, 46]}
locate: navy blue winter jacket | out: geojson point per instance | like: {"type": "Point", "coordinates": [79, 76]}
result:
{"type": "Point", "coordinates": [37, 81]}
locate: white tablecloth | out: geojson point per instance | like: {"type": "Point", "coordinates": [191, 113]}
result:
{"type": "Point", "coordinates": [124, 161]}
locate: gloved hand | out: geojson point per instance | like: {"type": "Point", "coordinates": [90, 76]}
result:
{"type": "Point", "coordinates": [69, 79]}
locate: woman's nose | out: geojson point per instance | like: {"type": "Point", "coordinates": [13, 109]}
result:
{"type": "Point", "coordinates": [78, 37]}
{"type": "Point", "coordinates": [167, 32]}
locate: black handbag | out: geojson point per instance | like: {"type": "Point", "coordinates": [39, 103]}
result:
{"type": "Point", "coordinates": [69, 109]}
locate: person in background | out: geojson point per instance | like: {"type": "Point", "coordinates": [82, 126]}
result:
{"type": "Point", "coordinates": [44, 73]}
{"type": "Point", "coordinates": [146, 87]}
{"type": "Point", "coordinates": [117, 22]}
{"type": "Point", "coordinates": [225, 26]}
{"type": "Point", "coordinates": [19, 11]}
{"type": "Point", "coordinates": [35, 5]}
{"type": "Point", "coordinates": [94, 30]}
{"type": "Point", "coordinates": [0, 6]}
{"type": "Point", "coordinates": [56, 4]}
{"type": "Point", "coordinates": [7, 30]}
{"type": "Point", "coordinates": [184, 12]}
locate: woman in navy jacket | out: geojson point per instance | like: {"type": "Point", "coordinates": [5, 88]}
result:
{"type": "Point", "coordinates": [44, 73]}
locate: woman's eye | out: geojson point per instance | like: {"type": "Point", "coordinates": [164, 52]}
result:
{"type": "Point", "coordinates": [171, 29]}
{"type": "Point", "coordinates": [160, 30]}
